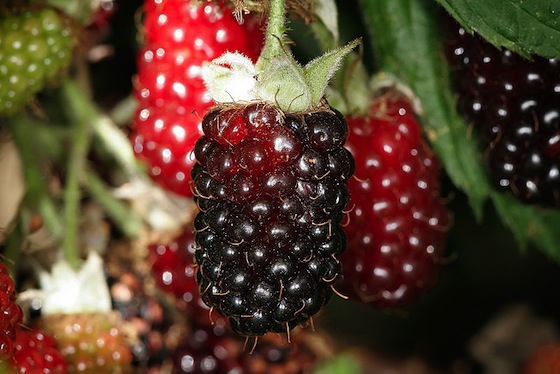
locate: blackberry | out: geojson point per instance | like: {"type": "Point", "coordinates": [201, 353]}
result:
{"type": "Point", "coordinates": [271, 187]}
{"type": "Point", "coordinates": [513, 103]}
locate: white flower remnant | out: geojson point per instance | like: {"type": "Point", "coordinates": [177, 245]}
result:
{"type": "Point", "coordinates": [68, 291]}
{"type": "Point", "coordinates": [230, 78]}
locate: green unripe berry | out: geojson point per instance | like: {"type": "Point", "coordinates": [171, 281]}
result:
{"type": "Point", "coordinates": [35, 47]}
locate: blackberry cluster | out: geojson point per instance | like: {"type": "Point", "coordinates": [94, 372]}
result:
{"type": "Point", "coordinates": [271, 188]}
{"type": "Point", "coordinates": [35, 45]}
{"type": "Point", "coordinates": [514, 104]}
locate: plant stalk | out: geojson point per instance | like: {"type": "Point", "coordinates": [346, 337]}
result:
{"type": "Point", "coordinates": [273, 36]}
{"type": "Point", "coordinates": [119, 212]}
{"type": "Point", "coordinates": [80, 117]}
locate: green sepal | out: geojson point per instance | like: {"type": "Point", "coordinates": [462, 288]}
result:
{"type": "Point", "coordinates": [319, 71]}
{"type": "Point", "coordinates": [284, 83]}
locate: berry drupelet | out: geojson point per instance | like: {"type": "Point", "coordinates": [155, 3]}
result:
{"type": "Point", "coordinates": [271, 187]}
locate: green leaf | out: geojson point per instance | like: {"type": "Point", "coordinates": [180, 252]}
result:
{"type": "Point", "coordinates": [407, 43]}
{"type": "Point", "coordinates": [526, 27]}
{"type": "Point", "coordinates": [530, 224]}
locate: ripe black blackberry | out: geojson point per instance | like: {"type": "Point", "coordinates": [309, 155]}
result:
{"type": "Point", "coordinates": [514, 104]}
{"type": "Point", "coordinates": [271, 188]}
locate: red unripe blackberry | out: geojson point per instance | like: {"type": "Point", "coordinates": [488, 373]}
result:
{"type": "Point", "coordinates": [180, 35]}
{"type": "Point", "coordinates": [513, 104]}
{"type": "Point", "coordinates": [396, 220]}
{"type": "Point", "coordinates": [271, 187]}
{"type": "Point", "coordinates": [37, 352]}
{"type": "Point", "coordinates": [11, 314]}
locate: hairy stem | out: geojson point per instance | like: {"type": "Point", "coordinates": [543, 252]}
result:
{"type": "Point", "coordinates": [274, 34]}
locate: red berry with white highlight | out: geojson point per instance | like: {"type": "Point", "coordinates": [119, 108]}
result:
{"type": "Point", "coordinates": [397, 219]}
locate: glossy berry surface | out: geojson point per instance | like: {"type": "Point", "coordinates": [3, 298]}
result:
{"type": "Point", "coordinates": [36, 45]}
{"type": "Point", "coordinates": [37, 352]}
{"type": "Point", "coordinates": [11, 314]}
{"type": "Point", "coordinates": [179, 36]}
{"type": "Point", "coordinates": [513, 103]}
{"type": "Point", "coordinates": [397, 220]}
{"type": "Point", "coordinates": [271, 188]}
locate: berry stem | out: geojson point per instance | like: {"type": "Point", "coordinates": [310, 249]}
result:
{"type": "Point", "coordinates": [80, 115]}
{"type": "Point", "coordinates": [130, 224]}
{"type": "Point", "coordinates": [115, 142]}
{"type": "Point", "coordinates": [274, 35]}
